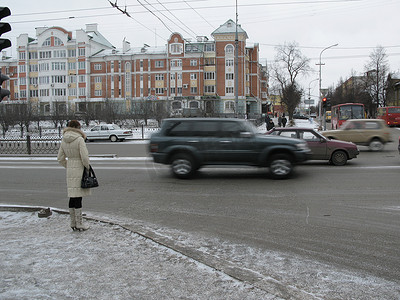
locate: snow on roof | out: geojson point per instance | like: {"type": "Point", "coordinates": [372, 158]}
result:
{"type": "Point", "coordinates": [228, 28]}
{"type": "Point", "coordinates": [99, 38]}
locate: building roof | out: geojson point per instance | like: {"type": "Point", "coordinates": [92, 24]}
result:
{"type": "Point", "coordinates": [228, 28]}
{"type": "Point", "coordinates": [97, 37]}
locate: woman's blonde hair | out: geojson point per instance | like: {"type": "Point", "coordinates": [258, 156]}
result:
{"type": "Point", "coordinates": [74, 124]}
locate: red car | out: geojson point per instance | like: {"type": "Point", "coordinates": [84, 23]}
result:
{"type": "Point", "coordinates": [337, 152]}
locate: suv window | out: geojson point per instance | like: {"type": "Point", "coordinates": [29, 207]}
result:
{"type": "Point", "coordinates": [231, 129]}
{"type": "Point", "coordinates": [178, 128]}
{"type": "Point", "coordinates": [204, 128]}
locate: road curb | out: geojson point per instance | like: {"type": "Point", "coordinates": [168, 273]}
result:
{"type": "Point", "coordinates": [260, 281]}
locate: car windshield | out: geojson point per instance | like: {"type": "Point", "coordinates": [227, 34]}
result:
{"type": "Point", "coordinates": [250, 127]}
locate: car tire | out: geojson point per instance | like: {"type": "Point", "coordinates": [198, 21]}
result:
{"type": "Point", "coordinates": [376, 145]}
{"type": "Point", "coordinates": [280, 166]}
{"type": "Point", "coordinates": [339, 158]}
{"type": "Point", "coordinates": [183, 166]}
{"type": "Point", "coordinates": [113, 138]}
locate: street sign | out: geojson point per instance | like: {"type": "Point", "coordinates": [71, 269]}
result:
{"type": "Point", "coordinates": [310, 102]}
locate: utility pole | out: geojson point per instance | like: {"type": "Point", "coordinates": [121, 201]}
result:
{"type": "Point", "coordinates": [236, 66]}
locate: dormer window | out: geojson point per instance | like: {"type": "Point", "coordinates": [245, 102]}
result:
{"type": "Point", "coordinates": [229, 49]}
{"type": "Point", "coordinates": [176, 48]}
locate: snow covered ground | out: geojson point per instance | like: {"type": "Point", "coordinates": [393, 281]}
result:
{"type": "Point", "coordinates": [42, 258]}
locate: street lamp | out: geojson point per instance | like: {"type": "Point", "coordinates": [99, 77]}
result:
{"type": "Point", "coordinates": [320, 80]}
{"type": "Point", "coordinates": [309, 94]}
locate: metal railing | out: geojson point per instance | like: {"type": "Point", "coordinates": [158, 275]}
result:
{"type": "Point", "coordinates": [31, 144]}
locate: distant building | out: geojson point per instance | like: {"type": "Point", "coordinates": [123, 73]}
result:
{"type": "Point", "coordinates": [57, 70]}
{"type": "Point", "coordinates": [393, 90]}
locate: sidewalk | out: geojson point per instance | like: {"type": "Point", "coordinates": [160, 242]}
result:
{"type": "Point", "coordinates": [42, 258]}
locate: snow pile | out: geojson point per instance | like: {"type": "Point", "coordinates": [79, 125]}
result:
{"type": "Point", "coordinates": [45, 259]}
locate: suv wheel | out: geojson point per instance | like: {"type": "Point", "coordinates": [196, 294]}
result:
{"type": "Point", "coordinates": [280, 166]}
{"type": "Point", "coordinates": [339, 158]}
{"type": "Point", "coordinates": [182, 166]}
{"type": "Point", "coordinates": [376, 145]}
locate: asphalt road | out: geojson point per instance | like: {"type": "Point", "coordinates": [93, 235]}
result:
{"type": "Point", "coordinates": [348, 217]}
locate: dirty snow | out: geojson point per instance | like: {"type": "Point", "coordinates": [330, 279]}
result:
{"type": "Point", "coordinates": [45, 259]}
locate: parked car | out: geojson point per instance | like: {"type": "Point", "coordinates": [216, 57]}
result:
{"type": "Point", "coordinates": [110, 132]}
{"type": "Point", "coordinates": [187, 144]}
{"type": "Point", "coordinates": [366, 132]}
{"type": "Point", "coordinates": [337, 152]}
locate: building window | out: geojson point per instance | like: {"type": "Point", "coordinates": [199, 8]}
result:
{"type": "Point", "coordinates": [194, 104]}
{"type": "Point", "coordinates": [209, 89]}
{"type": "Point", "coordinates": [71, 65]}
{"type": "Point", "coordinates": [59, 53]}
{"type": "Point", "coordinates": [128, 81]}
{"type": "Point", "coordinates": [210, 48]}
{"type": "Point", "coordinates": [59, 92]}
{"type": "Point", "coordinates": [44, 54]}
{"type": "Point", "coordinates": [97, 79]}
{"type": "Point", "coordinates": [47, 42]}
{"type": "Point", "coordinates": [57, 41]}
{"type": "Point", "coordinates": [193, 76]}
{"type": "Point", "coordinates": [98, 67]}
{"type": "Point", "coordinates": [44, 67]}
{"type": "Point", "coordinates": [173, 76]}
{"type": "Point", "coordinates": [58, 79]}
{"type": "Point", "coordinates": [229, 49]}
{"type": "Point", "coordinates": [81, 51]}
{"type": "Point", "coordinates": [82, 92]}
{"type": "Point", "coordinates": [81, 65]}
{"type": "Point", "coordinates": [229, 62]}
{"type": "Point", "coordinates": [209, 75]}
{"type": "Point", "coordinates": [44, 80]}
{"type": "Point", "coordinates": [179, 91]}
{"type": "Point", "coordinates": [176, 48]}
{"type": "Point", "coordinates": [71, 52]}
{"type": "Point", "coordinates": [229, 76]}
{"type": "Point", "coordinates": [173, 90]}
{"type": "Point", "coordinates": [33, 68]}
{"type": "Point", "coordinates": [176, 105]}
{"type": "Point", "coordinates": [44, 93]}
{"type": "Point", "coordinates": [82, 78]}
{"type": "Point", "coordinates": [72, 92]}
{"type": "Point", "coordinates": [159, 76]}
{"type": "Point", "coordinates": [71, 79]}
{"type": "Point", "coordinates": [22, 68]}
{"type": "Point", "coordinates": [22, 55]}
{"type": "Point", "coordinates": [209, 61]}
{"type": "Point", "coordinates": [33, 55]}
{"type": "Point", "coordinates": [159, 90]}
{"type": "Point", "coordinates": [193, 62]}
{"type": "Point", "coordinates": [97, 93]}
{"type": "Point", "coordinates": [58, 66]}
{"type": "Point", "coordinates": [229, 90]}
{"type": "Point", "coordinates": [193, 89]}
{"type": "Point", "coordinates": [229, 106]}
{"type": "Point", "coordinates": [159, 64]}
{"type": "Point", "coordinates": [176, 63]}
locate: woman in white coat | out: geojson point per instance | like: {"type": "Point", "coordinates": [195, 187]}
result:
{"type": "Point", "coordinates": [74, 156]}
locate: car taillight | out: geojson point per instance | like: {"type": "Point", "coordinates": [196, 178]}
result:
{"type": "Point", "coordinates": [127, 132]}
{"type": "Point", "coordinates": [153, 148]}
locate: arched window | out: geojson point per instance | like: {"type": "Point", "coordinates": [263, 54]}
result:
{"type": "Point", "coordinates": [57, 42]}
{"type": "Point", "coordinates": [194, 104]}
{"type": "Point", "coordinates": [176, 105]}
{"type": "Point", "coordinates": [229, 49]}
{"type": "Point", "coordinates": [47, 42]}
{"type": "Point", "coordinates": [229, 107]}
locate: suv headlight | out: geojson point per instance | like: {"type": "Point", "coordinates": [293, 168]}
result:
{"type": "Point", "coordinates": [303, 147]}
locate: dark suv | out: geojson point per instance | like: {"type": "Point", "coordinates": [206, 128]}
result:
{"type": "Point", "coordinates": [190, 143]}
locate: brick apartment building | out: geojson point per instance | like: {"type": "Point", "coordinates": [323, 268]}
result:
{"type": "Point", "coordinates": [55, 70]}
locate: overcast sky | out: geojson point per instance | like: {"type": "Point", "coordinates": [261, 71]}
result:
{"type": "Point", "coordinates": [358, 26]}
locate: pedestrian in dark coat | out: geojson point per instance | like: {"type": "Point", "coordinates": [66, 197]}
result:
{"type": "Point", "coordinates": [74, 148]}
{"type": "Point", "coordinates": [284, 120]}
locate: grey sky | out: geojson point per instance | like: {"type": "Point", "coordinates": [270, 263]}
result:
{"type": "Point", "coordinates": [358, 26]}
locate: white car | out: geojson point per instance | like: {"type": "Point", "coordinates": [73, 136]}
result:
{"type": "Point", "coordinates": [110, 132]}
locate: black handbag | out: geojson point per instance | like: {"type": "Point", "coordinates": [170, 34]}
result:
{"type": "Point", "coordinates": [89, 179]}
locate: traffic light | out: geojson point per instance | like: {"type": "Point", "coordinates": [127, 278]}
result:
{"type": "Point", "coordinates": [3, 92]}
{"type": "Point", "coordinates": [4, 27]}
{"type": "Point", "coordinates": [324, 100]}
{"type": "Point", "coordinates": [328, 103]}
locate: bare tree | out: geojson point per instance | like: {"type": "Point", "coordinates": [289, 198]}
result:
{"type": "Point", "coordinates": [6, 118]}
{"type": "Point", "coordinates": [377, 70]}
{"type": "Point", "coordinates": [289, 65]}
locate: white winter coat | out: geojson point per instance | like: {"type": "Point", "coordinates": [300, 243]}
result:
{"type": "Point", "coordinates": [73, 155]}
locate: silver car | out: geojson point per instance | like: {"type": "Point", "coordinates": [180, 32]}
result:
{"type": "Point", "coordinates": [110, 132]}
